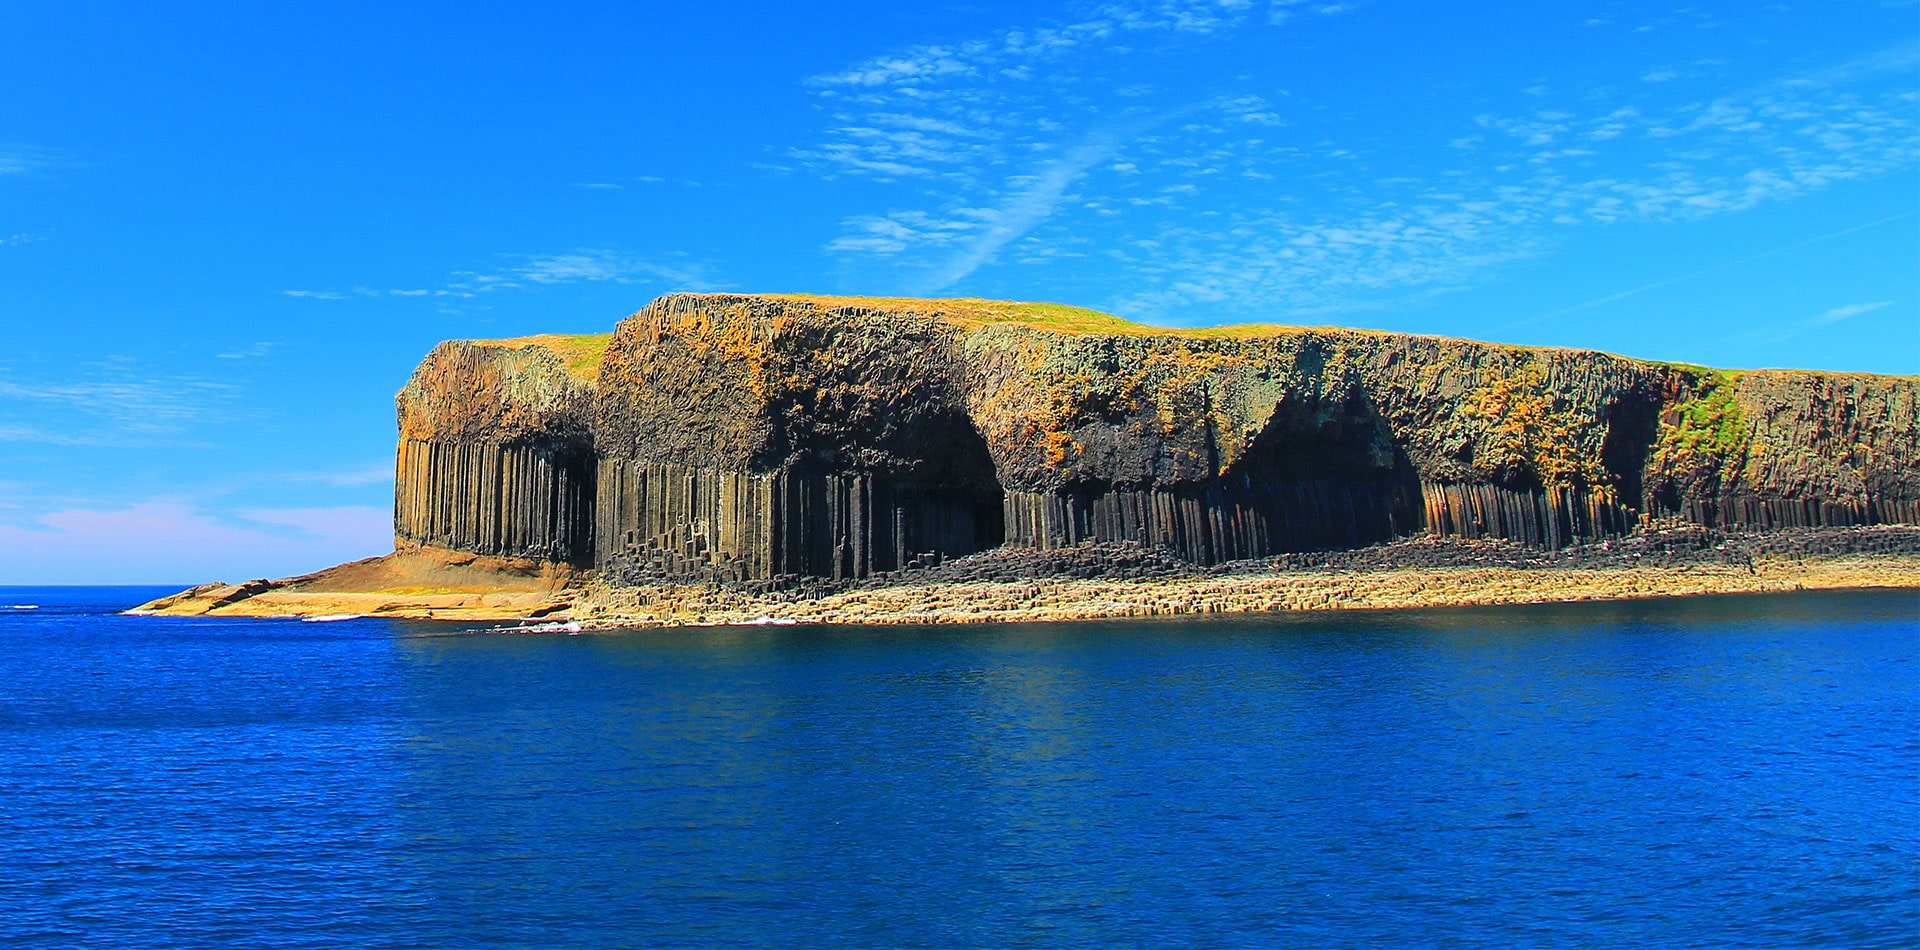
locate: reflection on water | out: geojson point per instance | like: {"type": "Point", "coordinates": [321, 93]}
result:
{"type": "Point", "coordinates": [1716, 770]}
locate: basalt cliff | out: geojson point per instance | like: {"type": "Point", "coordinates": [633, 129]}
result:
{"type": "Point", "coordinates": [757, 443]}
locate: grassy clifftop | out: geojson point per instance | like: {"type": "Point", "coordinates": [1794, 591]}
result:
{"type": "Point", "coordinates": [972, 312]}
{"type": "Point", "coordinates": [1058, 398]}
{"type": "Point", "coordinates": [580, 353]}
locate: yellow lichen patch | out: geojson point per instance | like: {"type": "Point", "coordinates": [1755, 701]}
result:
{"type": "Point", "coordinates": [1060, 448]}
{"type": "Point", "coordinates": [974, 312]}
{"type": "Point", "coordinates": [970, 312]}
{"type": "Point", "coordinates": [581, 352]}
{"type": "Point", "coordinates": [1529, 432]}
{"type": "Point", "coordinates": [1250, 331]}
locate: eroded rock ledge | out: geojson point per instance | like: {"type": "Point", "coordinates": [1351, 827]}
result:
{"type": "Point", "coordinates": [769, 443]}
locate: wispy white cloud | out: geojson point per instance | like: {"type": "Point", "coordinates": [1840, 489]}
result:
{"type": "Point", "coordinates": [621, 183]}
{"type": "Point", "coordinates": [964, 111]}
{"type": "Point", "coordinates": [595, 265]}
{"type": "Point", "coordinates": [1000, 130]}
{"type": "Point", "coordinates": [585, 265]}
{"type": "Point", "coordinates": [1820, 321]}
{"type": "Point", "coordinates": [19, 160]}
{"type": "Point", "coordinates": [996, 159]}
{"type": "Point", "coordinates": [255, 351]}
{"type": "Point", "coordinates": [363, 292]}
{"type": "Point", "coordinates": [1033, 202]}
{"type": "Point", "coordinates": [111, 404]}
{"type": "Point", "coordinates": [16, 432]}
{"type": "Point", "coordinates": [170, 540]}
{"type": "Point", "coordinates": [1838, 314]}
{"type": "Point", "coordinates": [345, 522]}
{"type": "Point", "coordinates": [581, 265]}
{"type": "Point", "coordinates": [354, 476]}
{"type": "Point", "coordinates": [885, 235]}
{"type": "Point", "coordinates": [1704, 271]}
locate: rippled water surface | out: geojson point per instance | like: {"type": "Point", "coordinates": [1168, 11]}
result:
{"type": "Point", "coordinates": [1721, 771]}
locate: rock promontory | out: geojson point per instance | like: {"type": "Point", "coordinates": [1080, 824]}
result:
{"type": "Point", "coordinates": [747, 438]}
{"type": "Point", "coordinates": [761, 442]}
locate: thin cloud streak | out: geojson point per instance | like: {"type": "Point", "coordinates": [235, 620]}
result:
{"type": "Point", "coordinates": [1824, 319]}
{"type": "Point", "coordinates": [1838, 314]}
{"type": "Point", "coordinates": [20, 161]}
{"type": "Point", "coordinates": [1669, 282]}
{"type": "Point", "coordinates": [1173, 213]}
{"type": "Point", "coordinates": [123, 544]}
{"type": "Point", "coordinates": [583, 265]}
{"type": "Point", "coordinates": [1454, 225]}
{"type": "Point", "coordinates": [1021, 213]}
{"type": "Point", "coordinates": [112, 405]}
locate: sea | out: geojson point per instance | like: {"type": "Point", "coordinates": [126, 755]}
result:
{"type": "Point", "coordinates": [1729, 771]}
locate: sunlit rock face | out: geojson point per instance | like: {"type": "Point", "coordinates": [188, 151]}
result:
{"type": "Point", "coordinates": [1788, 448]}
{"type": "Point", "coordinates": [495, 453]}
{"type": "Point", "coordinates": [754, 438]}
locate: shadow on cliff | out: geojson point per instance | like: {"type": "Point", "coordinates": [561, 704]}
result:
{"type": "Point", "coordinates": [927, 494]}
{"type": "Point", "coordinates": [1323, 473]}
{"type": "Point", "coordinates": [1633, 426]}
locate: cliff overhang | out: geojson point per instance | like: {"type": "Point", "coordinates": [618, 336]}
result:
{"type": "Point", "coordinates": [752, 451]}
{"type": "Point", "coordinates": [762, 439]}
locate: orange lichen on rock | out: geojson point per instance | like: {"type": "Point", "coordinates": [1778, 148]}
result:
{"type": "Point", "coordinates": [766, 439]}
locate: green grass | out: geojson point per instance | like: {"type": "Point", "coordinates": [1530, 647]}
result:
{"type": "Point", "coordinates": [1712, 422]}
{"type": "Point", "coordinates": [581, 352]}
{"type": "Point", "coordinates": [1059, 318]}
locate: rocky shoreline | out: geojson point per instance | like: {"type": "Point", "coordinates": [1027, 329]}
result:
{"type": "Point", "coordinates": [761, 442]}
{"type": "Point", "coordinates": [733, 458]}
{"type": "Point", "coordinates": [1108, 581]}
{"type": "Point", "coordinates": [415, 582]}
{"type": "Point", "coordinates": [1670, 545]}
{"type": "Point", "coordinates": [1098, 581]}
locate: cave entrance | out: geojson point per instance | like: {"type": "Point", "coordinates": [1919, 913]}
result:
{"type": "Point", "coordinates": [936, 497]}
{"type": "Point", "coordinates": [1324, 473]}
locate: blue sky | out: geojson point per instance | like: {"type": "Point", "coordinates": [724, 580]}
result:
{"type": "Point", "coordinates": [227, 232]}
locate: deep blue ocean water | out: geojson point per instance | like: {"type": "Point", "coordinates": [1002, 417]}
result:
{"type": "Point", "coordinates": [1728, 771]}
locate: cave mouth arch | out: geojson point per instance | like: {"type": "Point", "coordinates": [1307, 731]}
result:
{"type": "Point", "coordinates": [824, 514]}
{"type": "Point", "coordinates": [1320, 474]}
{"type": "Point", "coordinates": [1323, 473]}
{"type": "Point", "coordinates": [931, 495]}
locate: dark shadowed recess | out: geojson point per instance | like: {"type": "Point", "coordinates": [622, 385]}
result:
{"type": "Point", "coordinates": [533, 499]}
{"type": "Point", "coordinates": [1322, 473]}
{"type": "Point", "coordinates": [817, 517]}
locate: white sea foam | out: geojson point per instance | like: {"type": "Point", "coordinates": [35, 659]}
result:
{"type": "Point", "coordinates": [24, 606]}
{"type": "Point", "coordinates": [765, 621]}
{"type": "Point", "coordinates": [329, 618]}
{"type": "Point", "coordinates": [556, 626]}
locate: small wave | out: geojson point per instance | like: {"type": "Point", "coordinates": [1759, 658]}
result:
{"type": "Point", "coordinates": [556, 626]}
{"type": "Point", "coordinates": [330, 618]}
{"type": "Point", "coordinates": [765, 621]}
{"type": "Point", "coordinates": [24, 606]}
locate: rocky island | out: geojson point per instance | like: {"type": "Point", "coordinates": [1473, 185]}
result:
{"type": "Point", "coordinates": [728, 458]}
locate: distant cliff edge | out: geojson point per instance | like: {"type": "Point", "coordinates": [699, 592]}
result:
{"type": "Point", "coordinates": [763, 440]}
